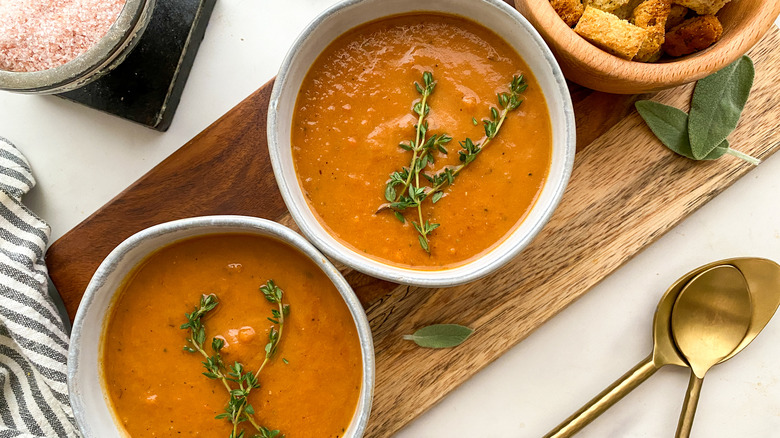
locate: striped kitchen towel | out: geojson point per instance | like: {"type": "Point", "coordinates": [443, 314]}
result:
{"type": "Point", "coordinates": [33, 340]}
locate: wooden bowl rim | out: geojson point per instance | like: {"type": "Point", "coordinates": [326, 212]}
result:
{"type": "Point", "coordinates": [571, 48]}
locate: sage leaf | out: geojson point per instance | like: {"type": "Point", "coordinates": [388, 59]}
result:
{"type": "Point", "coordinates": [718, 101]}
{"type": "Point", "coordinates": [722, 149]}
{"type": "Point", "coordinates": [670, 125]}
{"type": "Point", "coordinates": [440, 336]}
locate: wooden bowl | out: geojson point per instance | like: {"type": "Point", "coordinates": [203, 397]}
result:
{"type": "Point", "coordinates": [744, 23]}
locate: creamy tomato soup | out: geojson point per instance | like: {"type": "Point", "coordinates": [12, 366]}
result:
{"type": "Point", "coordinates": [310, 388]}
{"type": "Point", "coordinates": [355, 106]}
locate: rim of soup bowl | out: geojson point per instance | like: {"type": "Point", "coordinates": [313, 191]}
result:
{"type": "Point", "coordinates": [310, 44]}
{"type": "Point", "coordinates": [89, 323]}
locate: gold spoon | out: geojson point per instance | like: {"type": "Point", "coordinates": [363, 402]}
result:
{"type": "Point", "coordinates": [764, 281]}
{"type": "Point", "coordinates": [710, 318]}
{"type": "Point", "coordinates": [664, 353]}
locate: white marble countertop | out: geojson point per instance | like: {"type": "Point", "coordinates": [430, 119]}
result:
{"type": "Point", "coordinates": [83, 158]}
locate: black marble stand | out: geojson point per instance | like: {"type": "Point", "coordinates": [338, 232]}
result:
{"type": "Point", "coordinates": [147, 86]}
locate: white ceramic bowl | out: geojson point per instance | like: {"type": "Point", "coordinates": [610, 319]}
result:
{"type": "Point", "coordinates": [493, 14]}
{"type": "Point", "coordinates": [87, 395]}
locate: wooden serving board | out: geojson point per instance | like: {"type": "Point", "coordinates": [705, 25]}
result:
{"type": "Point", "coordinates": [625, 192]}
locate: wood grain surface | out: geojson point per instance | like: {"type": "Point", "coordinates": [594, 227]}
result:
{"type": "Point", "coordinates": [626, 191]}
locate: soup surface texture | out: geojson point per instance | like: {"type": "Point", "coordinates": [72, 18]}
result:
{"type": "Point", "coordinates": [355, 107]}
{"type": "Point", "coordinates": [157, 389]}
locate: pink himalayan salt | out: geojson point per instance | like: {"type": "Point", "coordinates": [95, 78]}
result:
{"type": "Point", "coordinates": [42, 34]}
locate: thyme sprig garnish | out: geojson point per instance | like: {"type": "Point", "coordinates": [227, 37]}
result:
{"type": "Point", "coordinates": [507, 102]}
{"type": "Point", "coordinates": [412, 194]}
{"type": "Point", "coordinates": [274, 295]}
{"type": "Point", "coordinates": [237, 381]}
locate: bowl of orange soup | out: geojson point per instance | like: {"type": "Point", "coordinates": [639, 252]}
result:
{"type": "Point", "coordinates": [219, 325]}
{"type": "Point", "coordinates": [424, 143]}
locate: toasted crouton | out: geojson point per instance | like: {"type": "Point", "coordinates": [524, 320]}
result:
{"type": "Point", "coordinates": [606, 5]}
{"type": "Point", "coordinates": [703, 7]}
{"type": "Point", "coordinates": [569, 10]}
{"type": "Point", "coordinates": [651, 48]}
{"type": "Point", "coordinates": [624, 12]}
{"type": "Point", "coordinates": [610, 33]}
{"type": "Point", "coordinates": [692, 35]}
{"type": "Point", "coordinates": [651, 15]}
{"type": "Point", "coordinates": [676, 16]}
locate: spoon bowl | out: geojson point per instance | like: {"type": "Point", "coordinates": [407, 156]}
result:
{"type": "Point", "coordinates": [763, 281]}
{"type": "Point", "coordinates": [763, 278]}
{"type": "Point", "coordinates": [711, 317]}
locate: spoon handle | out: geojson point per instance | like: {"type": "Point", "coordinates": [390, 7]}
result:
{"type": "Point", "coordinates": [605, 400]}
{"type": "Point", "coordinates": [689, 407]}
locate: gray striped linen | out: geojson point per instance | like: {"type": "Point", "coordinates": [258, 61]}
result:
{"type": "Point", "coordinates": [33, 340]}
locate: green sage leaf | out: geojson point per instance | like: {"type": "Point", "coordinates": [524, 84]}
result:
{"type": "Point", "coordinates": [720, 150]}
{"type": "Point", "coordinates": [670, 125]}
{"type": "Point", "coordinates": [717, 104]}
{"type": "Point", "coordinates": [440, 336]}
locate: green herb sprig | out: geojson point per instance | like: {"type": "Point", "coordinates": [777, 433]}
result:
{"type": "Point", "coordinates": [508, 102]}
{"type": "Point", "coordinates": [412, 194]}
{"type": "Point", "coordinates": [237, 381]}
{"type": "Point", "coordinates": [274, 295]}
{"type": "Point", "coordinates": [716, 106]}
